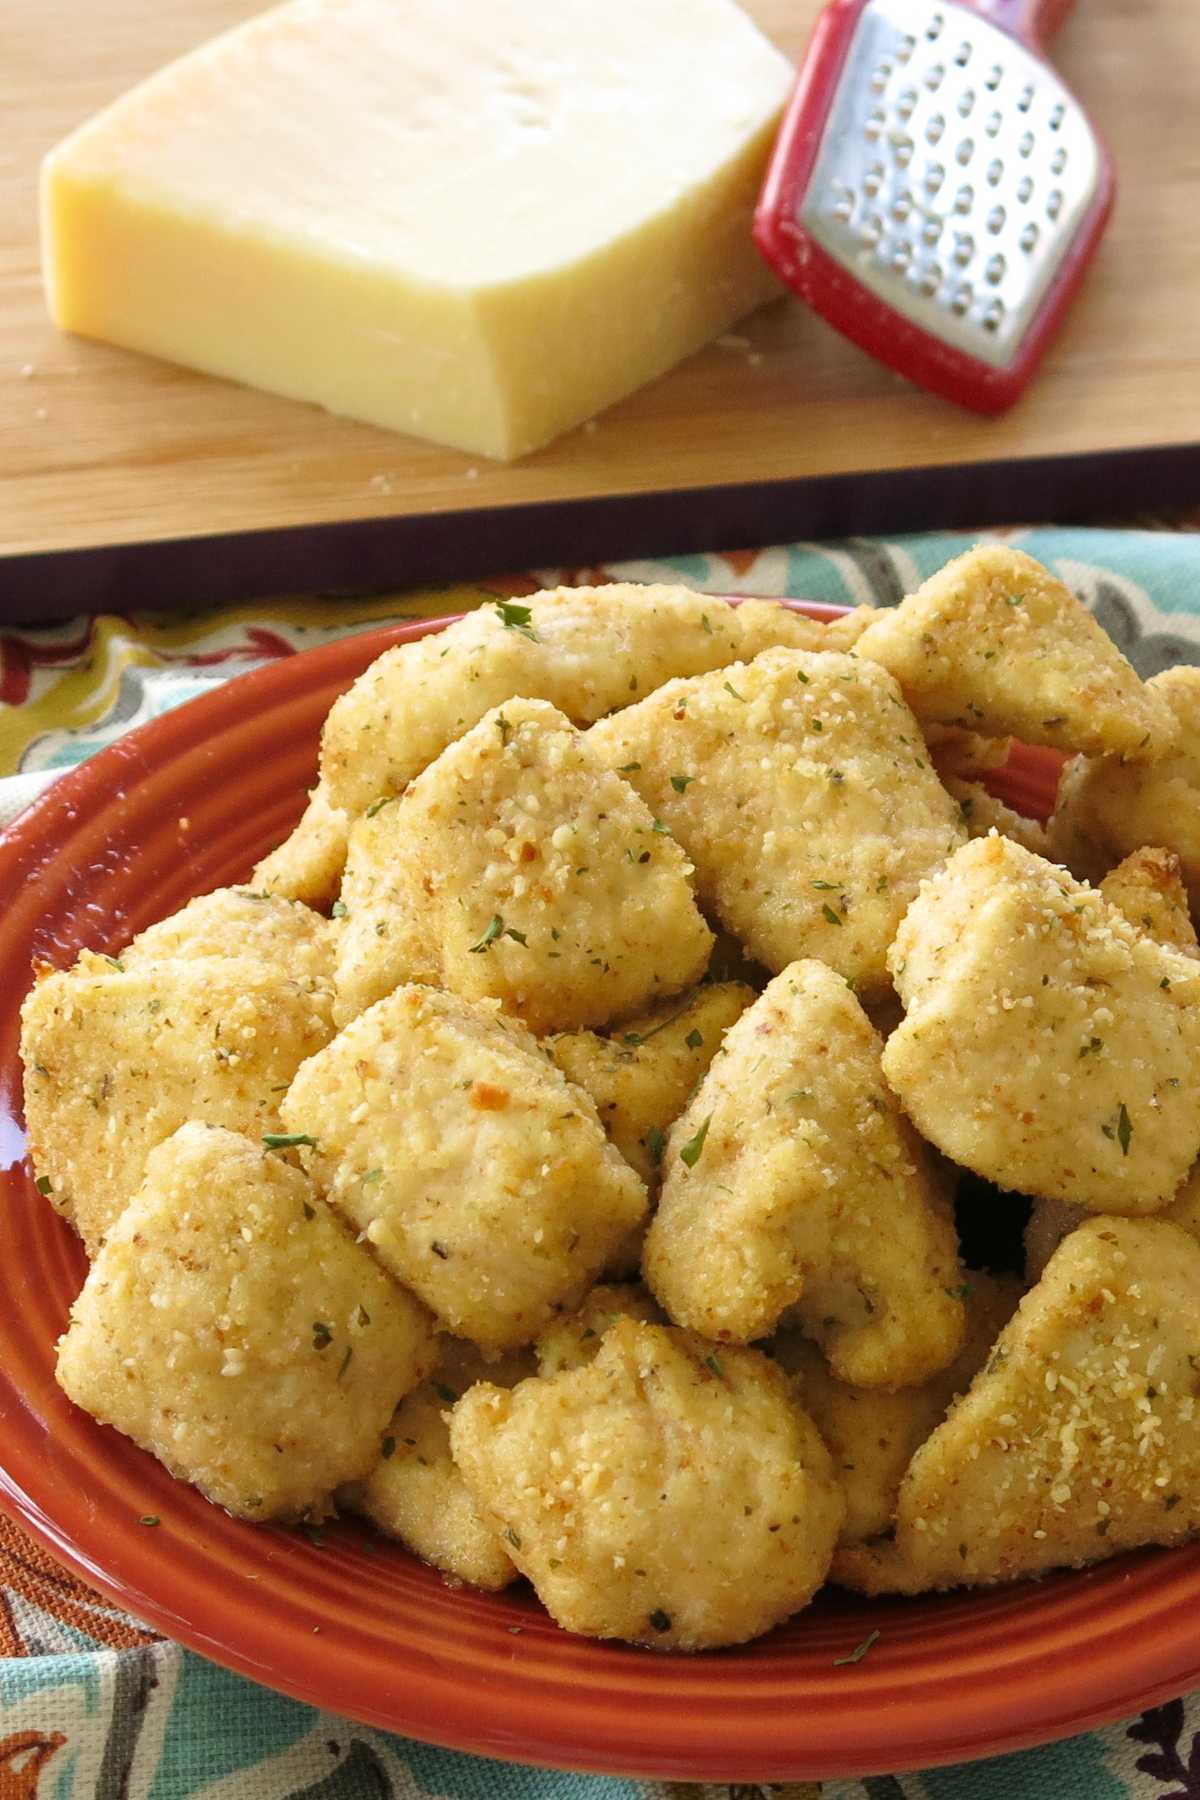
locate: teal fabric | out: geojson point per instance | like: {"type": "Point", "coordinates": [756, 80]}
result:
{"type": "Point", "coordinates": [153, 1722]}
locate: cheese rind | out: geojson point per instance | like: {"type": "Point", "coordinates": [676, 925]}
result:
{"type": "Point", "coordinates": [479, 233]}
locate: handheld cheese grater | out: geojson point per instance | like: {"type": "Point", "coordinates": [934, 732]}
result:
{"type": "Point", "coordinates": [935, 192]}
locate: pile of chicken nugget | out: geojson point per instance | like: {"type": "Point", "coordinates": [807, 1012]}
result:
{"type": "Point", "coordinates": [551, 1154]}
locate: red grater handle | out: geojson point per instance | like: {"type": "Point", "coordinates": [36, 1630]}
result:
{"type": "Point", "coordinates": [1032, 21]}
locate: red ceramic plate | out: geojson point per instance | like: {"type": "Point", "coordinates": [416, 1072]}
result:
{"type": "Point", "coordinates": [189, 802]}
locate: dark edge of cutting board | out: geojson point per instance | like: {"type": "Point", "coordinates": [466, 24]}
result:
{"type": "Point", "coordinates": [359, 556]}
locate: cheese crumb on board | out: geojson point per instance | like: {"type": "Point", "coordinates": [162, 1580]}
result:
{"type": "Point", "coordinates": [479, 226]}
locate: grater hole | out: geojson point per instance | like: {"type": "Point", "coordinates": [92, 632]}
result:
{"type": "Point", "coordinates": [931, 231]}
{"type": "Point", "coordinates": [934, 76]}
{"type": "Point", "coordinates": [873, 180]}
{"type": "Point", "coordinates": [962, 55]}
{"type": "Point", "coordinates": [907, 45]}
{"type": "Point", "coordinates": [876, 120]}
{"type": "Point", "coordinates": [906, 105]}
{"type": "Point", "coordinates": [995, 220]}
{"type": "Point", "coordinates": [1057, 114]}
{"type": "Point", "coordinates": [964, 200]}
{"type": "Point", "coordinates": [879, 79]}
{"type": "Point", "coordinates": [995, 172]}
{"type": "Point", "coordinates": [902, 149]}
{"type": "Point", "coordinates": [935, 129]}
{"type": "Point", "coordinates": [902, 255]}
{"type": "Point", "coordinates": [960, 300]}
{"type": "Point", "coordinates": [993, 123]}
{"type": "Point", "coordinates": [995, 270]}
{"type": "Point", "coordinates": [1029, 237]}
{"type": "Point", "coordinates": [935, 27]}
{"type": "Point", "coordinates": [1054, 203]}
{"type": "Point", "coordinates": [965, 152]}
{"type": "Point", "coordinates": [843, 206]}
{"type": "Point", "coordinates": [1058, 161]}
{"type": "Point", "coordinates": [1025, 143]}
{"type": "Point", "coordinates": [964, 248]}
{"type": "Point", "coordinates": [902, 206]}
{"type": "Point", "coordinates": [929, 279]}
{"type": "Point", "coordinates": [935, 175]}
{"type": "Point", "coordinates": [872, 230]}
{"type": "Point", "coordinates": [993, 316]}
{"type": "Point", "coordinates": [1025, 189]}
{"type": "Point", "coordinates": [1025, 98]}
{"type": "Point", "coordinates": [994, 77]}
{"type": "Point", "coordinates": [966, 103]}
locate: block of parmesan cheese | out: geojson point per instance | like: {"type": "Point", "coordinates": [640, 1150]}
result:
{"type": "Point", "coordinates": [479, 223]}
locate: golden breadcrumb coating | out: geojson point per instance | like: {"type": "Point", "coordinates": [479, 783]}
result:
{"type": "Point", "coordinates": [519, 867]}
{"type": "Point", "coordinates": [800, 787]}
{"type": "Point", "coordinates": [1148, 889]}
{"type": "Point", "coordinates": [308, 865]}
{"type": "Point", "coordinates": [586, 650]}
{"type": "Point", "coordinates": [117, 1058]}
{"type": "Point", "coordinates": [415, 1492]}
{"type": "Point", "coordinates": [574, 1339]}
{"type": "Point", "coordinates": [279, 933]}
{"type": "Point", "coordinates": [982, 812]}
{"type": "Point", "coordinates": [872, 1435]}
{"type": "Point", "coordinates": [769, 625]}
{"type": "Point", "coordinates": [958, 753]}
{"type": "Point", "coordinates": [994, 643]}
{"type": "Point", "coordinates": [666, 1493]}
{"type": "Point", "coordinates": [794, 1177]}
{"type": "Point", "coordinates": [480, 1176]}
{"type": "Point", "coordinates": [1078, 1439]}
{"type": "Point", "coordinates": [233, 1328]}
{"type": "Point", "coordinates": [1047, 1045]}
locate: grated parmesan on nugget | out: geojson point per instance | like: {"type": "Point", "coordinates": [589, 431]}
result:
{"type": "Point", "coordinates": [1078, 1439]}
{"type": "Point", "coordinates": [415, 1491]}
{"type": "Point", "coordinates": [982, 812]}
{"type": "Point", "coordinates": [283, 934]}
{"type": "Point", "coordinates": [517, 867]}
{"type": "Point", "coordinates": [574, 1339]}
{"type": "Point", "coordinates": [231, 1327]}
{"type": "Point", "coordinates": [800, 787]}
{"type": "Point", "coordinates": [308, 865]}
{"type": "Point", "coordinates": [994, 643]}
{"type": "Point", "coordinates": [1047, 1045]}
{"type": "Point", "coordinates": [117, 1058]}
{"type": "Point", "coordinates": [665, 1493]}
{"type": "Point", "coordinates": [480, 1176]}
{"type": "Point", "coordinates": [1108, 807]}
{"type": "Point", "coordinates": [794, 1177]}
{"type": "Point", "coordinates": [1148, 889]}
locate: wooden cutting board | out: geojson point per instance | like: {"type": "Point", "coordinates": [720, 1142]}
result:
{"type": "Point", "coordinates": [124, 480]}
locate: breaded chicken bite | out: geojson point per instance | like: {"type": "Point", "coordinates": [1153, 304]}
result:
{"type": "Point", "coordinates": [1108, 807]}
{"type": "Point", "coordinates": [994, 643]}
{"type": "Point", "coordinates": [771, 625]}
{"type": "Point", "coordinates": [666, 1493]}
{"type": "Point", "coordinates": [233, 1328]}
{"type": "Point", "coordinates": [1047, 1045]}
{"type": "Point", "coordinates": [872, 1435]}
{"type": "Point", "coordinates": [1052, 1220]}
{"type": "Point", "coordinates": [284, 934]}
{"type": "Point", "coordinates": [118, 1058]}
{"type": "Point", "coordinates": [982, 812]}
{"type": "Point", "coordinates": [642, 1075]}
{"type": "Point", "coordinates": [308, 865]}
{"type": "Point", "coordinates": [794, 1177]}
{"type": "Point", "coordinates": [415, 1492]}
{"type": "Point", "coordinates": [519, 868]}
{"type": "Point", "coordinates": [574, 1339]}
{"type": "Point", "coordinates": [1077, 1440]}
{"type": "Point", "coordinates": [586, 650]}
{"type": "Point", "coordinates": [479, 1174]}
{"type": "Point", "coordinates": [800, 787]}
{"type": "Point", "coordinates": [961, 754]}
{"type": "Point", "coordinates": [1148, 889]}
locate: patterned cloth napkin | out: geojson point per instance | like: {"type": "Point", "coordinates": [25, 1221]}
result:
{"type": "Point", "coordinates": [95, 1707]}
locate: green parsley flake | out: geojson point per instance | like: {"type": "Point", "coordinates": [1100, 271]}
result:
{"type": "Point", "coordinates": [510, 1537]}
{"type": "Point", "coordinates": [322, 1335]}
{"type": "Point", "coordinates": [679, 782]}
{"type": "Point", "coordinates": [730, 689]}
{"type": "Point", "coordinates": [387, 1448]}
{"type": "Point", "coordinates": [710, 1362]}
{"type": "Point", "coordinates": [114, 962]}
{"type": "Point", "coordinates": [346, 1361]}
{"type": "Point", "coordinates": [288, 1140]}
{"type": "Point", "coordinates": [859, 1651]}
{"type": "Point", "coordinates": [149, 1519]}
{"type": "Point", "coordinates": [43, 1184]}
{"type": "Point", "coordinates": [694, 1039]}
{"type": "Point", "coordinates": [834, 918]}
{"type": "Point", "coordinates": [629, 768]}
{"type": "Point", "coordinates": [377, 805]}
{"type": "Point", "coordinates": [692, 1150]}
{"type": "Point", "coordinates": [517, 618]}
{"type": "Point", "coordinates": [1124, 1130]}
{"type": "Point", "coordinates": [491, 932]}
{"type": "Point", "coordinates": [339, 910]}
